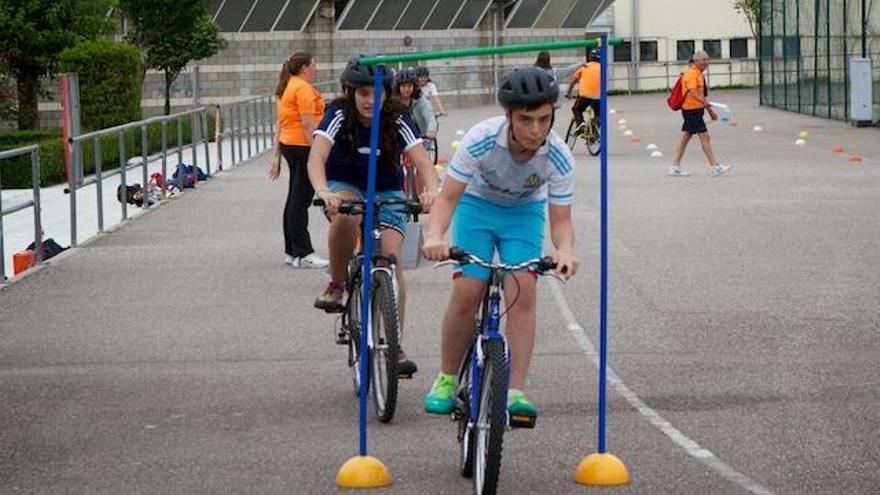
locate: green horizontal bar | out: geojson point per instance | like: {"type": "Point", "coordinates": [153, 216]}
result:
{"type": "Point", "coordinates": [487, 50]}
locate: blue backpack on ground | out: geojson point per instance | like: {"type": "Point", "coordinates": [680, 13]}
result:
{"type": "Point", "coordinates": [186, 175]}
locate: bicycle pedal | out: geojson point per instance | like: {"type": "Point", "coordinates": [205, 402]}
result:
{"type": "Point", "coordinates": [522, 421]}
{"type": "Point", "coordinates": [342, 339]}
{"type": "Point", "coordinates": [405, 376]}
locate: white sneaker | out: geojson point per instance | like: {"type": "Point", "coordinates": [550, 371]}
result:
{"type": "Point", "coordinates": [311, 260]}
{"type": "Point", "coordinates": [290, 260]}
{"type": "Point", "coordinates": [676, 172]}
{"type": "Point", "coordinates": [719, 169]}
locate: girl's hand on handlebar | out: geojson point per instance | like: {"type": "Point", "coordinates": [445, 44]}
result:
{"type": "Point", "coordinates": [331, 201]}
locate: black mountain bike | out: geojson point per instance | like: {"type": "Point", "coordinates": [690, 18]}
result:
{"type": "Point", "coordinates": [383, 337]}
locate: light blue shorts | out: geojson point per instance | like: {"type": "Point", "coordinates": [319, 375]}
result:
{"type": "Point", "coordinates": [390, 216]}
{"type": "Point", "coordinates": [480, 227]}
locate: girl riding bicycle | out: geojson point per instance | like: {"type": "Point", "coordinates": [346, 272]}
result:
{"type": "Point", "coordinates": [407, 91]}
{"type": "Point", "coordinates": [338, 167]}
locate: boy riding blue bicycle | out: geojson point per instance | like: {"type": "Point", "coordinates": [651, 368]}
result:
{"type": "Point", "coordinates": [505, 171]}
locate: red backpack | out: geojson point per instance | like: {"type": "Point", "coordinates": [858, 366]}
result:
{"type": "Point", "coordinates": [676, 98]}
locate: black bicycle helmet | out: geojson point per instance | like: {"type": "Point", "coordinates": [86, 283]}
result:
{"type": "Point", "coordinates": [595, 54]}
{"type": "Point", "coordinates": [422, 71]}
{"type": "Point", "coordinates": [407, 75]}
{"type": "Point", "coordinates": [527, 86]}
{"type": "Point", "coordinates": [356, 75]}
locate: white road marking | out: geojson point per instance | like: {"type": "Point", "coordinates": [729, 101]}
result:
{"type": "Point", "coordinates": [690, 446]}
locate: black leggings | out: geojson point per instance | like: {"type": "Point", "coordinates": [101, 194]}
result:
{"type": "Point", "coordinates": [297, 242]}
{"type": "Point", "coordinates": [580, 105]}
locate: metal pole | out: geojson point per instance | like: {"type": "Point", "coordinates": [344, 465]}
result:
{"type": "Point", "coordinates": [99, 182]}
{"type": "Point", "coordinates": [258, 124]}
{"type": "Point", "coordinates": [773, 56]}
{"type": "Point", "coordinates": [247, 124]}
{"type": "Point", "coordinates": [71, 187]}
{"type": "Point", "coordinates": [817, 10]}
{"type": "Point", "coordinates": [193, 128]}
{"type": "Point", "coordinates": [122, 167]}
{"type": "Point", "coordinates": [784, 57]}
{"type": "Point", "coordinates": [2, 247]}
{"type": "Point", "coordinates": [603, 246]}
{"type": "Point", "coordinates": [218, 135]}
{"type": "Point", "coordinates": [845, 66]}
{"type": "Point", "coordinates": [864, 30]}
{"type": "Point", "coordinates": [38, 226]}
{"type": "Point", "coordinates": [798, 34]}
{"type": "Point", "coordinates": [203, 115]}
{"type": "Point", "coordinates": [144, 165]}
{"type": "Point", "coordinates": [164, 157]}
{"type": "Point", "coordinates": [238, 131]}
{"type": "Point", "coordinates": [368, 252]}
{"type": "Point", "coordinates": [828, 51]}
{"type": "Point", "coordinates": [179, 143]}
{"type": "Point", "coordinates": [634, 44]}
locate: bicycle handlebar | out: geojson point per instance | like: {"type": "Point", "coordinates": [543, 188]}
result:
{"type": "Point", "coordinates": [541, 266]}
{"type": "Point", "coordinates": [358, 206]}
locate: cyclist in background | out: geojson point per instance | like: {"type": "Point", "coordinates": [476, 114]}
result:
{"type": "Point", "coordinates": [338, 167]}
{"type": "Point", "coordinates": [406, 90]}
{"type": "Point", "coordinates": [497, 187]}
{"type": "Point", "coordinates": [429, 90]}
{"type": "Point", "coordinates": [587, 80]}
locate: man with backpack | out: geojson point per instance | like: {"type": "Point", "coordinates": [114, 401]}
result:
{"type": "Point", "coordinates": [690, 95]}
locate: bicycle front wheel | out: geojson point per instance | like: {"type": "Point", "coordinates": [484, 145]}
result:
{"type": "Point", "coordinates": [465, 429]}
{"type": "Point", "coordinates": [594, 143]}
{"type": "Point", "coordinates": [491, 419]}
{"type": "Point", "coordinates": [571, 137]}
{"type": "Point", "coordinates": [353, 317]}
{"type": "Point", "coordinates": [385, 346]}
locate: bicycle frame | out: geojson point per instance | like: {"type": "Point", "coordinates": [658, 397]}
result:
{"type": "Point", "coordinates": [489, 330]}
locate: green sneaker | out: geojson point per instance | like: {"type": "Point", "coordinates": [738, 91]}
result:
{"type": "Point", "coordinates": [519, 405]}
{"type": "Point", "coordinates": [441, 398]}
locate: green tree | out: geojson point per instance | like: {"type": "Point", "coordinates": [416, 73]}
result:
{"type": "Point", "coordinates": [34, 32]}
{"type": "Point", "coordinates": [751, 9]}
{"type": "Point", "coordinates": [109, 80]}
{"type": "Point", "coordinates": [171, 36]}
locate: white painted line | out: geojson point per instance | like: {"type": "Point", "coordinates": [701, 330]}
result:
{"type": "Point", "coordinates": [690, 446]}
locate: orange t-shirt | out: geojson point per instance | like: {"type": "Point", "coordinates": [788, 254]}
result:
{"type": "Point", "coordinates": [692, 79]}
{"type": "Point", "coordinates": [299, 99]}
{"type": "Point", "coordinates": [588, 77]}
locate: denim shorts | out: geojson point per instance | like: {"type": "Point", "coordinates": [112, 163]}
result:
{"type": "Point", "coordinates": [391, 216]}
{"type": "Point", "coordinates": [481, 227]}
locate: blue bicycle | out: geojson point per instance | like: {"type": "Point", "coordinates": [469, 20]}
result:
{"type": "Point", "coordinates": [481, 398]}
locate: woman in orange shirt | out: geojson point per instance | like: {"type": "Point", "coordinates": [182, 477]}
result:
{"type": "Point", "coordinates": [300, 109]}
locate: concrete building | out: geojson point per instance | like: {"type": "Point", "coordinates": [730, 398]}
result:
{"type": "Point", "coordinates": [262, 33]}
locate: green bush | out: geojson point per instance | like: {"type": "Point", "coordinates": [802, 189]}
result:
{"type": "Point", "coordinates": [109, 79]}
{"type": "Point", "coordinates": [16, 172]}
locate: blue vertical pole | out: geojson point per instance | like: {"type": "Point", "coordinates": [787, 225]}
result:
{"type": "Point", "coordinates": [603, 246]}
{"type": "Point", "coordinates": [368, 251]}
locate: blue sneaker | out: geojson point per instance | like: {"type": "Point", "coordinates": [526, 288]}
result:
{"type": "Point", "coordinates": [441, 398]}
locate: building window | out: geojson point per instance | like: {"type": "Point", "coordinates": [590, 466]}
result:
{"type": "Point", "coordinates": [647, 51]}
{"type": "Point", "coordinates": [739, 48]}
{"type": "Point", "coordinates": [623, 53]}
{"type": "Point", "coordinates": [685, 50]}
{"type": "Point", "coordinates": [713, 48]}
{"type": "Point", "coordinates": [791, 47]}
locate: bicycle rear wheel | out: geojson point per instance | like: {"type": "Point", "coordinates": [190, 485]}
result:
{"type": "Point", "coordinates": [594, 143]}
{"type": "Point", "coordinates": [570, 136]}
{"type": "Point", "coordinates": [385, 346]}
{"type": "Point", "coordinates": [491, 418]}
{"type": "Point", "coordinates": [432, 148]}
{"type": "Point", "coordinates": [353, 317]}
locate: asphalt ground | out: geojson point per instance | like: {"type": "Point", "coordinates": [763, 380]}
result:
{"type": "Point", "coordinates": [180, 355]}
